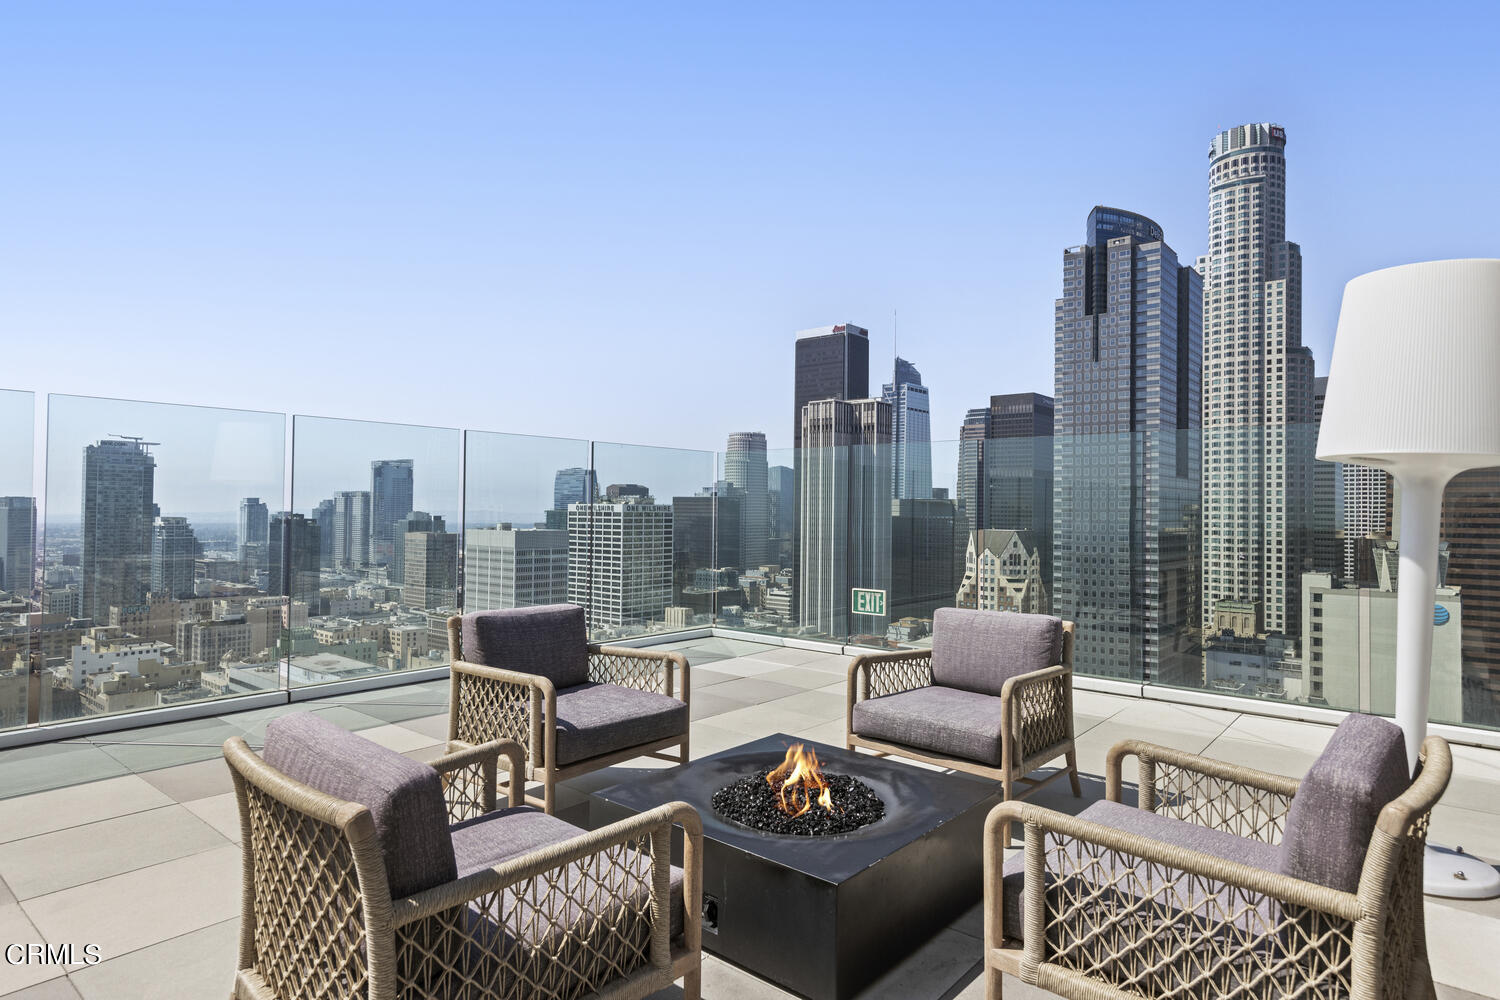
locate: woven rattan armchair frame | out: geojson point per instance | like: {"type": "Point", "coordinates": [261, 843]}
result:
{"type": "Point", "coordinates": [487, 703]}
{"type": "Point", "coordinates": [1037, 708]}
{"type": "Point", "coordinates": [1254, 935]}
{"type": "Point", "coordinates": [317, 919]}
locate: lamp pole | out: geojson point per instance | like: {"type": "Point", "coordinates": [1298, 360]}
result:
{"type": "Point", "coordinates": [1421, 514]}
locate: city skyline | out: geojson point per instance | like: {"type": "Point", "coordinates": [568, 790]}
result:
{"type": "Point", "coordinates": [614, 249]}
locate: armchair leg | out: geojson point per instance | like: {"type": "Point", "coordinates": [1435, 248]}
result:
{"type": "Point", "coordinates": [994, 988]}
{"type": "Point", "coordinates": [1072, 759]}
{"type": "Point", "coordinates": [549, 794]}
{"type": "Point", "coordinates": [685, 757]}
{"type": "Point", "coordinates": [692, 983]}
{"type": "Point", "coordinates": [1009, 784]}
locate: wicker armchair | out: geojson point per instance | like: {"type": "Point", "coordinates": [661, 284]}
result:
{"type": "Point", "coordinates": [1225, 882]}
{"type": "Point", "coordinates": [371, 892]}
{"type": "Point", "coordinates": [993, 697]}
{"type": "Point", "coordinates": [531, 675]}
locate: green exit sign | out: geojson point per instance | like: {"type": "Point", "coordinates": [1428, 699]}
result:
{"type": "Point", "coordinates": [869, 602]}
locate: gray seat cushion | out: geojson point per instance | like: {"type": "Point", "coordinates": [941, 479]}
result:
{"type": "Point", "coordinates": [595, 719]}
{"type": "Point", "coordinates": [1329, 825]}
{"type": "Point", "coordinates": [550, 640]}
{"type": "Point", "coordinates": [405, 797]}
{"type": "Point", "coordinates": [1075, 866]}
{"type": "Point", "coordinates": [944, 720]}
{"type": "Point", "coordinates": [980, 650]}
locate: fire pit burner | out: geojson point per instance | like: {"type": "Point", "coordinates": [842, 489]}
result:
{"type": "Point", "coordinates": [797, 799]}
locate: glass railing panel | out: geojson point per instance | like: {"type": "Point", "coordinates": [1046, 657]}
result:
{"type": "Point", "coordinates": [19, 610]}
{"type": "Point", "coordinates": [375, 536]}
{"type": "Point", "coordinates": [761, 596]}
{"type": "Point", "coordinates": [157, 560]}
{"type": "Point", "coordinates": [526, 537]}
{"type": "Point", "coordinates": [651, 561]}
{"type": "Point", "coordinates": [1466, 610]}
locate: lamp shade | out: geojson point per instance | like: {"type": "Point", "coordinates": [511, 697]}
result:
{"type": "Point", "coordinates": [1415, 377]}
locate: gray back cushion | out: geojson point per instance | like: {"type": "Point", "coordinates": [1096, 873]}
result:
{"type": "Point", "coordinates": [550, 640]}
{"type": "Point", "coordinates": [405, 797]}
{"type": "Point", "coordinates": [1333, 814]}
{"type": "Point", "coordinates": [981, 650]}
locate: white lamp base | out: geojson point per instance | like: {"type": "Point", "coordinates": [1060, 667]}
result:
{"type": "Point", "coordinates": [1446, 872]}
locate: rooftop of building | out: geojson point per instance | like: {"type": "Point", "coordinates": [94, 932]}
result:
{"type": "Point", "coordinates": [130, 840]}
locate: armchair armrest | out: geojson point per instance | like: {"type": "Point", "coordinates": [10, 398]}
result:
{"type": "Point", "coordinates": [872, 675]}
{"type": "Point", "coordinates": [1038, 711]}
{"type": "Point", "coordinates": [470, 777]}
{"type": "Point", "coordinates": [1121, 904]}
{"type": "Point", "coordinates": [641, 669]}
{"type": "Point", "coordinates": [489, 703]}
{"type": "Point", "coordinates": [1196, 789]}
{"type": "Point", "coordinates": [619, 875]}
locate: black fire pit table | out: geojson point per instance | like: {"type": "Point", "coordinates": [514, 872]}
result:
{"type": "Point", "coordinates": [824, 916]}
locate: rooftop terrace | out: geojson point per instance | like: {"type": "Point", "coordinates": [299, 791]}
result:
{"type": "Point", "coordinates": [129, 840]}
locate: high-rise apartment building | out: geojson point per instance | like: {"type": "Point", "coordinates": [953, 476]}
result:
{"type": "Point", "coordinates": [119, 509]}
{"type": "Point", "coordinates": [1365, 510]}
{"type": "Point", "coordinates": [509, 567]}
{"type": "Point", "coordinates": [1258, 432]}
{"type": "Point", "coordinates": [431, 567]}
{"type": "Point", "coordinates": [620, 562]}
{"type": "Point", "coordinates": [391, 493]}
{"type": "Point", "coordinates": [351, 529]}
{"type": "Point", "coordinates": [574, 485]}
{"type": "Point", "coordinates": [845, 495]}
{"type": "Point", "coordinates": [17, 546]}
{"type": "Point", "coordinates": [1126, 362]}
{"type": "Point", "coordinates": [911, 432]}
{"type": "Point", "coordinates": [745, 467]}
{"type": "Point", "coordinates": [294, 554]}
{"type": "Point", "coordinates": [174, 548]}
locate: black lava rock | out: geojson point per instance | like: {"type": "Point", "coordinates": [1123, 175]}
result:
{"type": "Point", "coordinates": [752, 802]}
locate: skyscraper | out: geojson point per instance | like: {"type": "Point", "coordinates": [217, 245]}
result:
{"type": "Point", "coordinates": [574, 485]}
{"type": "Point", "coordinates": [431, 567]}
{"type": "Point", "coordinates": [417, 520]}
{"type": "Point", "coordinates": [17, 544]}
{"type": "Point", "coordinates": [351, 529]}
{"type": "Point", "coordinates": [254, 523]}
{"type": "Point", "coordinates": [1018, 460]}
{"type": "Point", "coordinates": [119, 477]}
{"type": "Point", "coordinates": [294, 554]}
{"type": "Point", "coordinates": [174, 547]}
{"type": "Point", "coordinates": [391, 491]}
{"type": "Point", "coordinates": [833, 362]}
{"type": "Point", "coordinates": [1126, 360]}
{"type": "Point", "coordinates": [911, 432]}
{"type": "Point", "coordinates": [323, 515]}
{"type": "Point", "coordinates": [1258, 434]}
{"type": "Point", "coordinates": [706, 534]}
{"type": "Point", "coordinates": [845, 513]}
{"type": "Point", "coordinates": [745, 467]}
{"type": "Point", "coordinates": [1327, 537]}
{"type": "Point", "coordinates": [922, 554]}
{"type": "Point", "coordinates": [1471, 527]}
{"type": "Point", "coordinates": [620, 562]}
{"type": "Point", "coordinates": [781, 483]}
{"type": "Point", "coordinates": [1365, 492]}
{"type": "Point", "coordinates": [508, 567]}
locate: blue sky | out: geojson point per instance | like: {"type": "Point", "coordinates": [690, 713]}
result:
{"type": "Point", "coordinates": [608, 220]}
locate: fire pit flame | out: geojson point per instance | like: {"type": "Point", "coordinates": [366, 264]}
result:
{"type": "Point", "coordinates": [799, 782]}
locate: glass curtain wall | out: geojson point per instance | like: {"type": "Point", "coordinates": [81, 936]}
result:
{"type": "Point", "coordinates": [159, 577]}
{"type": "Point", "coordinates": [374, 536]}
{"type": "Point", "coordinates": [20, 620]}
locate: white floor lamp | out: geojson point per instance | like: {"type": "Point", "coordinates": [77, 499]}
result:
{"type": "Point", "coordinates": [1414, 388]}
